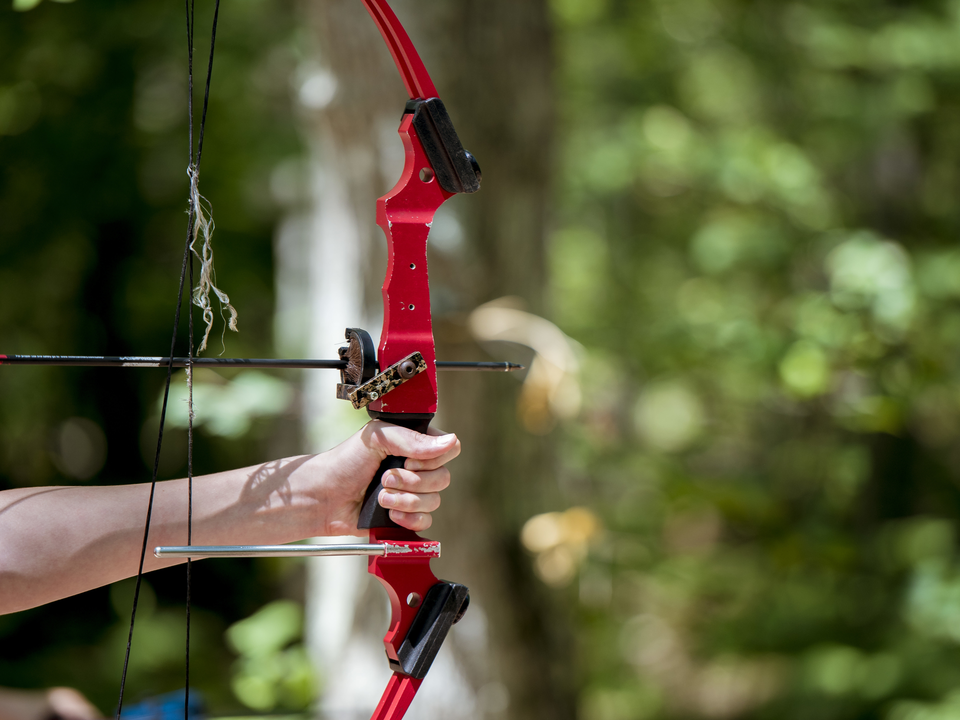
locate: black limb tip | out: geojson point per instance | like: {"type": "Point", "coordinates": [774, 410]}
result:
{"type": "Point", "coordinates": [372, 513]}
{"type": "Point", "coordinates": [457, 170]}
{"type": "Point", "coordinates": [443, 606]}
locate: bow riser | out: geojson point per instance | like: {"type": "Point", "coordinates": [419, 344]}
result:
{"type": "Point", "coordinates": [405, 215]}
{"type": "Point", "coordinates": [406, 581]}
{"type": "Point", "coordinates": [422, 608]}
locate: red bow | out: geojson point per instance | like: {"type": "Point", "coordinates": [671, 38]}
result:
{"type": "Point", "coordinates": [436, 168]}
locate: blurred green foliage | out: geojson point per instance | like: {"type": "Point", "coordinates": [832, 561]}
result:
{"type": "Point", "coordinates": [756, 245]}
{"type": "Point", "coordinates": [273, 671]}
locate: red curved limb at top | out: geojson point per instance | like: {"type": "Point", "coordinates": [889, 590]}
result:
{"type": "Point", "coordinates": [415, 76]}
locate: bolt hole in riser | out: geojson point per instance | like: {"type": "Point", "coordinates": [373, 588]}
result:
{"type": "Point", "coordinates": [413, 600]}
{"type": "Point", "coordinates": [409, 305]}
{"type": "Point", "coordinates": [426, 175]}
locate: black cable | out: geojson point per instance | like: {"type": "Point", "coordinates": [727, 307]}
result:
{"type": "Point", "coordinates": [186, 664]}
{"type": "Point", "coordinates": [186, 263]}
{"type": "Point", "coordinates": [206, 91]}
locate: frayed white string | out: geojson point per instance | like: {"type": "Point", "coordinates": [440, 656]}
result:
{"type": "Point", "coordinates": [203, 225]}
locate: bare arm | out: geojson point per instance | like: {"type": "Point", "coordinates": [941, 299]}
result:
{"type": "Point", "coordinates": [59, 541]}
{"type": "Point", "coordinates": [59, 702]}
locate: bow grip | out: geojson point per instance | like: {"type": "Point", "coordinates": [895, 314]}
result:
{"type": "Point", "coordinates": [372, 513]}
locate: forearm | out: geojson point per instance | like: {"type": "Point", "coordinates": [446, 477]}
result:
{"type": "Point", "coordinates": [21, 704]}
{"type": "Point", "coordinates": [55, 542]}
{"type": "Point", "coordinates": [60, 702]}
{"type": "Point", "coordinates": [59, 541]}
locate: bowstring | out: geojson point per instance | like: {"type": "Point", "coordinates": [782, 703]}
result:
{"type": "Point", "coordinates": [186, 268]}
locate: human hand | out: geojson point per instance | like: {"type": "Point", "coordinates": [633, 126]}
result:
{"type": "Point", "coordinates": [410, 493]}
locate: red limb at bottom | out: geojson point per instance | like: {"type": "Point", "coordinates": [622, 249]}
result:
{"type": "Point", "coordinates": [396, 698]}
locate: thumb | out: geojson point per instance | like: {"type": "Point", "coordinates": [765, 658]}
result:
{"type": "Point", "coordinates": [390, 439]}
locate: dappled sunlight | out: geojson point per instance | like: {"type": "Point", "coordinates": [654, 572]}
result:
{"type": "Point", "coordinates": [227, 407]}
{"type": "Point", "coordinates": [272, 671]}
{"type": "Point", "coordinates": [551, 389]}
{"type": "Point", "coordinates": [867, 272]}
{"type": "Point", "coordinates": [560, 542]}
{"type": "Point", "coordinates": [669, 416]}
{"type": "Point", "coordinates": [79, 448]}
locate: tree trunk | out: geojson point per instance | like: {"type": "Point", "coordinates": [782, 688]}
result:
{"type": "Point", "coordinates": [494, 60]}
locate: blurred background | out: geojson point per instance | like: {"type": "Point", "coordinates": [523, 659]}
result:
{"type": "Point", "coordinates": [721, 234]}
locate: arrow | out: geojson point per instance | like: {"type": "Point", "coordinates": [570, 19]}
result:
{"type": "Point", "coordinates": [179, 362]}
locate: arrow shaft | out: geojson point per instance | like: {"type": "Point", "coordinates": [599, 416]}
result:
{"type": "Point", "coordinates": [179, 362]}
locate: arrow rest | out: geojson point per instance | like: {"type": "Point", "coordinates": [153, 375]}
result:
{"type": "Point", "coordinates": [359, 384]}
{"type": "Point", "coordinates": [361, 357]}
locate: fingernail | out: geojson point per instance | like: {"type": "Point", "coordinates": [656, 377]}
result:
{"type": "Point", "coordinates": [387, 500]}
{"type": "Point", "coordinates": [390, 480]}
{"type": "Point", "coordinates": [412, 464]}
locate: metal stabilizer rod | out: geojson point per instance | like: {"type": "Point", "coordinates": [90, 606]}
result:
{"type": "Point", "coordinates": [422, 548]}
